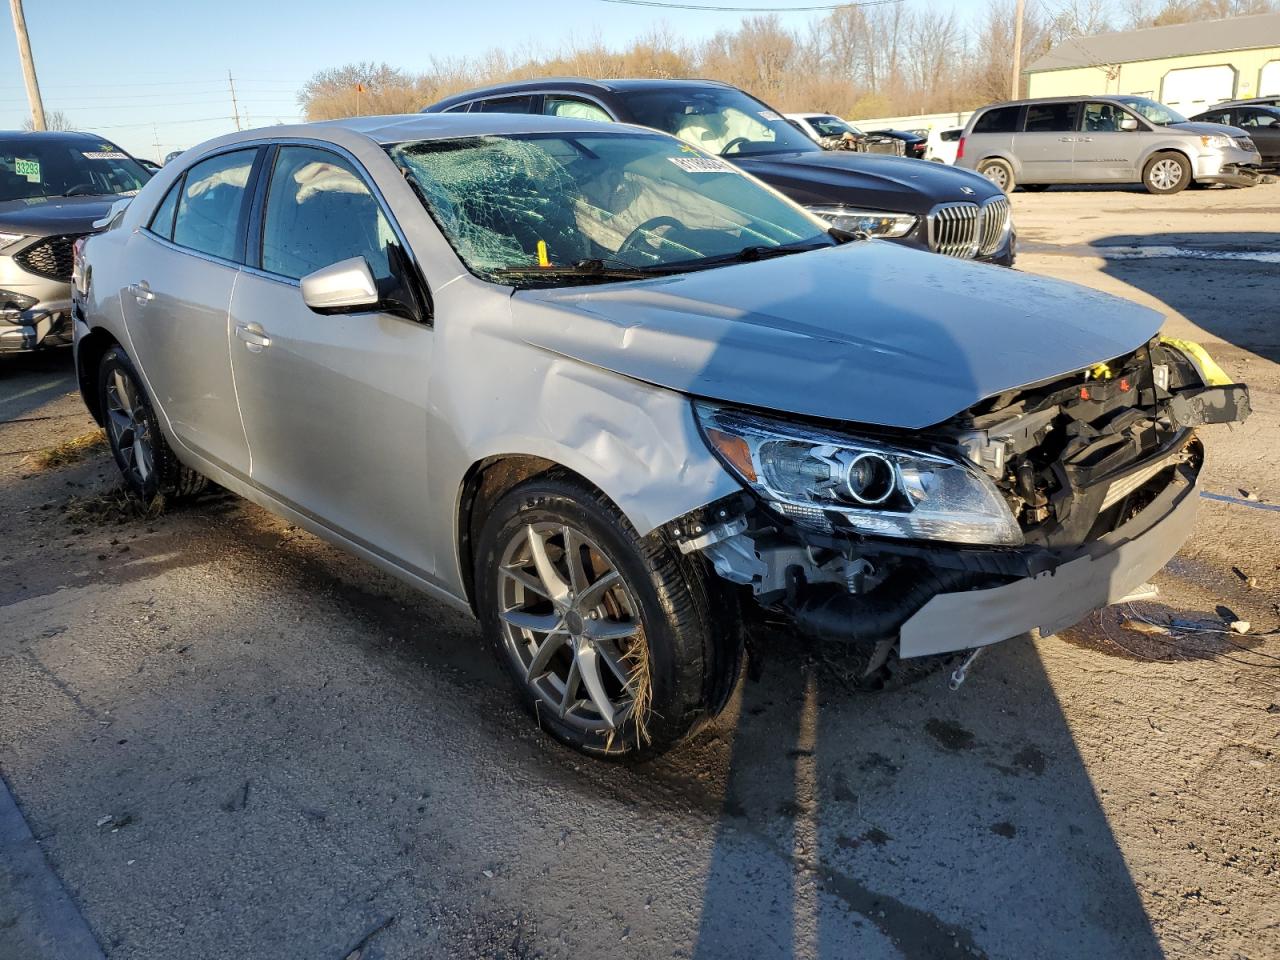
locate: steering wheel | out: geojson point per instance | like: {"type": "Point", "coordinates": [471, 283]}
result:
{"type": "Point", "coordinates": [735, 142]}
{"type": "Point", "coordinates": [78, 189]}
{"type": "Point", "coordinates": [636, 236]}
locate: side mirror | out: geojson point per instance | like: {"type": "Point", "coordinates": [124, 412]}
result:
{"type": "Point", "coordinates": [1128, 124]}
{"type": "Point", "coordinates": [341, 287]}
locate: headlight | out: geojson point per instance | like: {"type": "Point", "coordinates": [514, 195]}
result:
{"type": "Point", "coordinates": [1217, 141]}
{"type": "Point", "coordinates": [8, 238]}
{"type": "Point", "coordinates": [874, 223]}
{"type": "Point", "coordinates": [832, 481]}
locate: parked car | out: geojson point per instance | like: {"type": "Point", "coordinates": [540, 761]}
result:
{"type": "Point", "coordinates": [943, 143]}
{"type": "Point", "coordinates": [1121, 139]}
{"type": "Point", "coordinates": [612, 396]}
{"type": "Point", "coordinates": [832, 133]}
{"type": "Point", "coordinates": [933, 208]}
{"type": "Point", "coordinates": [1260, 122]}
{"type": "Point", "coordinates": [913, 143]}
{"type": "Point", "coordinates": [53, 186]}
{"type": "Point", "coordinates": [172, 155]}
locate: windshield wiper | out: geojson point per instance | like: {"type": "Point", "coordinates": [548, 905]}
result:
{"type": "Point", "coordinates": [586, 271]}
{"type": "Point", "coordinates": [745, 255]}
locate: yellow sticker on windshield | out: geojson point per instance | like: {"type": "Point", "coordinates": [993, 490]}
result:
{"type": "Point", "coordinates": [27, 168]}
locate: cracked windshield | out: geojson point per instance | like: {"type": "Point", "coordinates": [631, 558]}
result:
{"type": "Point", "coordinates": [553, 209]}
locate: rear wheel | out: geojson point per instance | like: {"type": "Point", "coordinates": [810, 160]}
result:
{"type": "Point", "coordinates": [998, 172]}
{"type": "Point", "coordinates": [611, 639]}
{"type": "Point", "coordinates": [1166, 173]}
{"type": "Point", "coordinates": [146, 462]}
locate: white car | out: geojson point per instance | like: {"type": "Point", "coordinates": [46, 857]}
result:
{"type": "Point", "coordinates": [820, 125]}
{"type": "Point", "coordinates": [943, 143]}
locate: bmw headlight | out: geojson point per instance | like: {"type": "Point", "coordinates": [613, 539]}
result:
{"type": "Point", "coordinates": [874, 223]}
{"type": "Point", "coordinates": [833, 481]}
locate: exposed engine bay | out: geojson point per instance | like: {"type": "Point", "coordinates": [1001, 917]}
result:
{"type": "Point", "coordinates": [1009, 490]}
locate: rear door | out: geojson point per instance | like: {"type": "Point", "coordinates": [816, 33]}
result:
{"type": "Point", "coordinates": [1103, 151]}
{"type": "Point", "coordinates": [335, 406]}
{"type": "Point", "coordinates": [1046, 144]}
{"type": "Point", "coordinates": [179, 273]}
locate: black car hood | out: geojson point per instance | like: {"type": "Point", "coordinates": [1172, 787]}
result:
{"type": "Point", "coordinates": [869, 332]}
{"type": "Point", "coordinates": [51, 216]}
{"type": "Point", "coordinates": [878, 182]}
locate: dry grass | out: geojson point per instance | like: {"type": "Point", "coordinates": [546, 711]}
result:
{"type": "Point", "coordinates": [115, 506]}
{"type": "Point", "coordinates": [68, 451]}
{"type": "Point", "coordinates": [641, 687]}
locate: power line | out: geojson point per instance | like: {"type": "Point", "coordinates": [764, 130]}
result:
{"type": "Point", "coordinates": [660, 4]}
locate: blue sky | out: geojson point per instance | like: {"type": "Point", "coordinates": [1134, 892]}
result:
{"type": "Point", "coordinates": [118, 67]}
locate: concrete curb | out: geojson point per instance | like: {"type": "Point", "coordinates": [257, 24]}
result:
{"type": "Point", "coordinates": [38, 919]}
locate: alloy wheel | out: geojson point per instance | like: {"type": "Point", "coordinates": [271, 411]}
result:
{"type": "Point", "coordinates": [573, 626]}
{"type": "Point", "coordinates": [129, 425]}
{"type": "Point", "coordinates": [997, 175]}
{"type": "Point", "coordinates": [1165, 174]}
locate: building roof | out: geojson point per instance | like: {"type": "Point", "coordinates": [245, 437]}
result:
{"type": "Point", "coordinates": [1157, 43]}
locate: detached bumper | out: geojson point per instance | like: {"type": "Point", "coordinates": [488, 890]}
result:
{"type": "Point", "coordinates": [1234, 174]}
{"type": "Point", "coordinates": [1103, 572]}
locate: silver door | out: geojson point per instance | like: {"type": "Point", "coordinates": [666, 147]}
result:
{"type": "Point", "coordinates": [335, 406]}
{"type": "Point", "coordinates": [1103, 150]}
{"type": "Point", "coordinates": [1045, 147]}
{"type": "Point", "coordinates": [176, 298]}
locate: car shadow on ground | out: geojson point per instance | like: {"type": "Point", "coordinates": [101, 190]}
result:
{"type": "Point", "coordinates": [1221, 264]}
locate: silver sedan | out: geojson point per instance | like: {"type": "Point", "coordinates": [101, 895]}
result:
{"type": "Point", "coordinates": [617, 399]}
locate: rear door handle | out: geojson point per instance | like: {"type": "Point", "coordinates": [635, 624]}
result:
{"type": "Point", "coordinates": [141, 292]}
{"type": "Point", "coordinates": [254, 337]}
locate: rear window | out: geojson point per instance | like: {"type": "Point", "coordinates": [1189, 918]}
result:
{"type": "Point", "coordinates": [949, 136]}
{"type": "Point", "coordinates": [1052, 117]}
{"type": "Point", "coordinates": [999, 120]}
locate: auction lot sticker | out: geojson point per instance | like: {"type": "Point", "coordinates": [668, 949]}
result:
{"type": "Point", "coordinates": [104, 155]}
{"type": "Point", "coordinates": [699, 164]}
{"type": "Point", "coordinates": [27, 168]}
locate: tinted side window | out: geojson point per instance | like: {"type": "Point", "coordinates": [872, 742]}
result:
{"type": "Point", "coordinates": [504, 105]}
{"type": "Point", "coordinates": [319, 212]}
{"type": "Point", "coordinates": [210, 216]}
{"type": "Point", "coordinates": [1220, 117]}
{"type": "Point", "coordinates": [162, 219]}
{"type": "Point", "coordinates": [558, 106]}
{"type": "Point", "coordinates": [999, 120]}
{"type": "Point", "coordinates": [1051, 117]}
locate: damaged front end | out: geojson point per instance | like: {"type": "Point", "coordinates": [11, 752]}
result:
{"type": "Point", "coordinates": [1028, 510]}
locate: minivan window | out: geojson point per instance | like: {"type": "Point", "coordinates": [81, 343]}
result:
{"type": "Point", "coordinates": [999, 120]}
{"type": "Point", "coordinates": [319, 212]}
{"type": "Point", "coordinates": [210, 217]}
{"type": "Point", "coordinates": [1103, 117]}
{"type": "Point", "coordinates": [162, 219]}
{"type": "Point", "coordinates": [1051, 117]}
{"type": "Point", "coordinates": [554, 106]}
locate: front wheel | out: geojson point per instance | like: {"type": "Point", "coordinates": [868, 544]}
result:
{"type": "Point", "coordinates": [612, 639]}
{"type": "Point", "coordinates": [146, 462]}
{"type": "Point", "coordinates": [998, 172]}
{"type": "Point", "coordinates": [1166, 173]}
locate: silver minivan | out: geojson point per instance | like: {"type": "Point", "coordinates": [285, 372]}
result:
{"type": "Point", "coordinates": [622, 401]}
{"type": "Point", "coordinates": [1116, 139]}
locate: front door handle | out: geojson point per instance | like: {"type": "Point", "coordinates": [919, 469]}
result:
{"type": "Point", "coordinates": [141, 292]}
{"type": "Point", "coordinates": [1067, 139]}
{"type": "Point", "coordinates": [254, 337]}
{"type": "Point", "coordinates": [1084, 139]}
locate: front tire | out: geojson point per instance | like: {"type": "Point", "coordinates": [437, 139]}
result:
{"type": "Point", "coordinates": [1166, 173]}
{"type": "Point", "coordinates": [613, 641]}
{"type": "Point", "coordinates": [998, 172]}
{"type": "Point", "coordinates": [147, 463]}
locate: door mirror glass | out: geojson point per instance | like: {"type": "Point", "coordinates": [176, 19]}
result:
{"type": "Point", "coordinates": [1128, 124]}
{"type": "Point", "coordinates": [342, 287]}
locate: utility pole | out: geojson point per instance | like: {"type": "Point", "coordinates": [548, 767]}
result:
{"type": "Point", "coordinates": [156, 132]}
{"type": "Point", "coordinates": [28, 65]}
{"type": "Point", "coordinates": [235, 107]}
{"type": "Point", "coordinates": [1015, 81]}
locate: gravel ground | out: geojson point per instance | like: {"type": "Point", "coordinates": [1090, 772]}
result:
{"type": "Point", "coordinates": [229, 739]}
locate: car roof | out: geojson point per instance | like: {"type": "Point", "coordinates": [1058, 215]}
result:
{"type": "Point", "coordinates": [1072, 98]}
{"type": "Point", "coordinates": [580, 84]}
{"type": "Point", "coordinates": [1255, 102]}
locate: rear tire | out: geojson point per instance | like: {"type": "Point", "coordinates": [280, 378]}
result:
{"type": "Point", "coordinates": [1166, 173]}
{"type": "Point", "coordinates": [567, 642]}
{"type": "Point", "coordinates": [147, 463]}
{"type": "Point", "coordinates": [998, 172]}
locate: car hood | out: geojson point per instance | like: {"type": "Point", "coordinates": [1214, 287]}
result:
{"type": "Point", "coordinates": [887, 183]}
{"type": "Point", "coordinates": [1206, 128]}
{"type": "Point", "coordinates": [48, 216]}
{"type": "Point", "coordinates": [868, 332]}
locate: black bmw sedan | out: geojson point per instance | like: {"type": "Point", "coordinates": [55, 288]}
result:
{"type": "Point", "coordinates": [928, 205]}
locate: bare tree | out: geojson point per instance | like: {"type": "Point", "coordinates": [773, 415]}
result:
{"type": "Point", "coordinates": [53, 120]}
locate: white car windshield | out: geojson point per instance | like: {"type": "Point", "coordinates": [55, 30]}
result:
{"type": "Point", "coordinates": [547, 209]}
{"type": "Point", "coordinates": [1156, 113]}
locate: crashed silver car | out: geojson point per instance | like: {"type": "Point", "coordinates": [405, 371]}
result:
{"type": "Point", "coordinates": [619, 400]}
